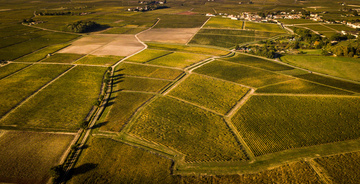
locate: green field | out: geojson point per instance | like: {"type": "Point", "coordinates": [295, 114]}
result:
{"type": "Point", "coordinates": [147, 71]}
{"type": "Point", "coordinates": [178, 59]}
{"type": "Point", "coordinates": [234, 32]}
{"type": "Point", "coordinates": [342, 168]}
{"type": "Point", "coordinates": [193, 49]}
{"type": "Point", "coordinates": [199, 134]}
{"type": "Point", "coordinates": [296, 21]}
{"type": "Point", "coordinates": [223, 23]}
{"type": "Point", "coordinates": [147, 55]}
{"type": "Point", "coordinates": [241, 74]}
{"type": "Point", "coordinates": [28, 80]}
{"type": "Point", "coordinates": [63, 104]}
{"type": "Point", "coordinates": [21, 152]}
{"type": "Point", "coordinates": [225, 41]}
{"type": "Point", "coordinates": [318, 27]}
{"type": "Point", "coordinates": [340, 27]}
{"type": "Point", "coordinates": [344, 67]}
{"type": "Point", "coordinates": [62, 58]}
{"type": "Point", "coordinates": [99, 60]}
{"type": "Point", "coordinates": [41, 54]}
{"type": "Point", "coordinates": [180, 21]}
{"type": "Point", "coordinates": [264, 27]}
{"type": "Point", "coordinates": [258, 62]}
{"type": "Point", "coordinates": [211, 93]}
{"type": "Point", "coordinates": [10, 69]}
{"type": "Point", "coordinates": [274, 123]}
{"type": "Point", "coordinates": [298, 86]}
{"type": "Point", "coordinates": [121, 110]}
{"type": "Point", "coordinates": [141, 84]}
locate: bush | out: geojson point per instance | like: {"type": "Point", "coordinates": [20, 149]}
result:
{"type": "Point", "coordinates": [83, 26]}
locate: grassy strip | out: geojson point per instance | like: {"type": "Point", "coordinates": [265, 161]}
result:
{"type": "Point", "coordinates": [179, 60]}
{"type": "Point", "coordinates": [146, 71]}
{"type": "Point", "coordinates": [41, 54]}
{"type": "Point", "coordinates": [301, 87]}
{"type": "Point", "coordinates": [218, 95]}
{"type": "Point", "coordinates": [62, 58]}
{"type": "Point", "coordinates": [99, 60]}
{"type": "Point", "coordinates": [16, 88]}
{"type": "Point", "coordinates": [63, 104]}
{"type": "Point", "coordinates": [10, 69]}
{"type": "Point", "coordinates": [147, 55]}
{"type": "Point", "coordinates": [240, 74]}
{"type": "Point", "coordinates": [274, 123]}
{"type": "Point", "coordinates": [198, 50]}
{"type": "Point", "coordinates": [21, 152]}
{"type": "Point", "coordinates": [199, 134]}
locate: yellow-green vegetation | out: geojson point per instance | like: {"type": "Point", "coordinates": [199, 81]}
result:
{"type": "Point", "coordinates": [199, 134]}
{"type": "Point", "coordinates": [340, 27]}
{"type": "Point", "coordinates": [274, 123]}
{"type": "Point", "coordinates": [241, 74]}
{"type": "Point", "coordinates": [26, 157]}
{"type": "Point", "coordinates": [211, 93]}
{"type": "Point", "coordinates": [62, 58]}
{"type": "Point", "coordinates": [264, 27]}
{"type": "Point", "coordinates": [294, 72]}
{"type": "Point", "coordinates": [10, 69]}
{"type": "Point", "coordinates": [318, 27]}
{"type": "Point", "coordinates": [41, 54]}
{"type": "Point", "coordinates": [295, 21]}
{"type": "Point", "coordinates": [18, 87]}
{"type": "Point", "coordinates": [109, 161]}
{"type": "Point", "coordinates": [225, 41]}
{"type": "Point", "coordinates": [301, 87]}
{"type": "Point", "coordinates": [331, 82]}
{"type": "Point", "coordinates": [99, 60]}
{"type": "Point", "coordinates": [348, 68]}
{"type": "Point", "coordinates": [147, 55]}
{"type": "Point", "coordinates": [343, 168]}
{"type": "Point", "coordinates": [122, 107]}
{"type": "Point", "coordinates": [258, 62]}
{"type": "Point", "coordinates": [218, 22]}
{"type": "Point", "coordinates": [198, 50]}
{"type": "Point", "coordinates": [178, 59]}
{"type": "Point", "coordinates": [63, 104]}
{"type": "Point", "coordinates": [147, 71]}
{"type": "Point", "coordinates": [142, 84]}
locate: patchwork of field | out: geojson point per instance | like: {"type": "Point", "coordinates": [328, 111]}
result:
{"type": "Point", "coordinates": [178, 59]}
{"type": "Point", "coordinates": [264, 27]}
{"type": "Point", "coordinates": [147, 55]}
{"type": "Point", "coordinates": [105, 44]}
{"type": "Point", "coordinates": [168, 35]}
{"type": "Point", "coordinates": [28, 156]}
{"type": "Point", "coordinates": [185, 48]}
{"type": "Point", "coordinates": [274, 123]}
{"type": "Point", "coordinates": [223, 23]}
{"type": "Point", "coordinates": [10, 69]}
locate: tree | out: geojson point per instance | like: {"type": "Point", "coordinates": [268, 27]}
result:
{"type": "Point", "coordinates": [84, 124]}
{"type": "Point", "coordinates": [57, 171]}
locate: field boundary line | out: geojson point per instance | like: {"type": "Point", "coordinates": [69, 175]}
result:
{"type": "Point", "coordinates": [304, 95]}
{"type": "Point", "coordinates": [133, 91]}
{"type": "Point", "coordinates": [242, 142]}
{"type": "Point", "coordinates": [239, 84]}
{"type": "Point", "coordinates": [16, 71]}
{"type": "Point", "coordinates": [51, 30]}
{"type": "Point", "coordinates": [265, 86]}
{"type": "Point", "coordinates": [320, 171]}
{"type": "Point", "coordinates": [152, 78]}
{"type": "Point", "coordinates": [199, 64]}
{"type": "Point", "coordinates": [198, 30]}
{"type": "Point", "coordinates": [48, 63]}
{"type": "Point", "coordinates": [171, 52]}
{"type": "Point", "coordinates": [35, 93]}
{"type": "Point", "coordinates": [147, 64]}
{"type": "Point", "coordinates": [240, 103]}
{"type": "Point", "coordinates": [167, 89]}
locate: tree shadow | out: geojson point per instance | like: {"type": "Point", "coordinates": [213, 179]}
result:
{"type": "Point", "coordinates": [81, 170]}
{"type": "Point", "coordinates": [98, 125]}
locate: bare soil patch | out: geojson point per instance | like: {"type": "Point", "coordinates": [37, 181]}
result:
{"type": "Point", "coordinates": [105, 44]}
{"type": "Point", "coordinates": [168, 35]}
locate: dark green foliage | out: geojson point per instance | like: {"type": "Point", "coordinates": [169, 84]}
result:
{"type": "Point", "coordinates": [83, 26]}
{"type": "Point", "coordinates": [57, 171]}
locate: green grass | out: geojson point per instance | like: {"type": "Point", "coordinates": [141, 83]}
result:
{"type": "Point", "coordinates": [258, 62]}
{"type": "Point", "coordinates": [264, 27]}
{"type": "Point", "coordinates": [340, 27]}
{"type": "Point", "coordinates": [41, 54]}
{"type": "Point", "coordinates": [331, 82]}
{"type": "Point", "coordinates": [109, 161]}
{"type": "Point", "coordinates": [199, 134]}
{"type": "Point", "coordinates": [18, 87]}
{"type": "Point", "coordinates": [99, 60]}
{"type": "Point", "coordinates": [21, 152]}
{"type": "Point", "coordinates": [299, 86]}
{"type": "Point", "coordinates": [124, 30]}
{"type": "Point", "coordinates": [344, 67]}
{"type": "Point", "coordinates": [295, 21]}
{"type": "Point", "coordinates": [10, 69]}
{"type": "Point", "coordinates": [274, 123]}
{"type": "Point", "coordinates": [180, 21]}
{"type": "Point", "coordinates": [211, 93]}
{"type": "Point", "coordinates": [317, 27]}
{"type": "Point", "coordinates": [193, 49]}
{"type": "Point", "coordinates": [225, 41]}
{"type": "Point", "coordinates": [122, 108]}
{"type": "Point", "coordinates": [342, 168]}
{"type": "Point", "coordinates": [141, 84]}
{"type": "Point", "coordinates": [147, 55]}
{"type": "Point", "coordinates": [147, 71]}
{"type": "Point", "coordinates": [179, 60]}
{"type": "Point", "coordinates": [241, 74]}
{"type": "Point", "coordinates": [63, 104]}
{"type": "Point", "coordinates": [294, 72]}
{"type": "Point", "coordinates": [217, 22]}
{"type": "Point", "coordinates": [62, 58]}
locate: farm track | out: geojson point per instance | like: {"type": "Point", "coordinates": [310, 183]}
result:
{"type": "Point", "coordinates": [198, 29]}
{"type": "Point", "coordinates": [35, 93]}
{"type": "Point", "coordinates": [16, 71]}
{"type": "Point", "coordinates": [242, 101]}
{"type": "Point", "coordinates": [319, 171]}
{"type": "Point", "coordinates": [305, 95]}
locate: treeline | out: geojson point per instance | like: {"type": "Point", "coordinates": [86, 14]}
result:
{"type": "Point", "coordinates": [83, 26]}
{"type": "Point", "coordinates": [347, 51]}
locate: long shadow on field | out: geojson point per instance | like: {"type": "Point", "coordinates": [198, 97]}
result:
{"type": "Point", "coordinates": [81, 170]}
{"type": "Point", "coordinates": [98, 125]}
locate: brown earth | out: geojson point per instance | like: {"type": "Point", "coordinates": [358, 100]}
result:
{"type": "Point", "coordinates": [168, 35]}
